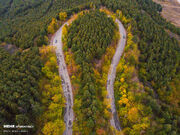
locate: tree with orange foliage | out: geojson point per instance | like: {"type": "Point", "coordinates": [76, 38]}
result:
{"type": "Point", "coordinates": [100, 132]}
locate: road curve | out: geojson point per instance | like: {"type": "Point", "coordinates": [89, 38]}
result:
{"type": "Point", "coordinates": [66, 83]}
{"type": "Point", "coordinates": [112, 75]}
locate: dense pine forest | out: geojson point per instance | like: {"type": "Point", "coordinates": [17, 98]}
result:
{"type": "Point", "coordinates": [146, 88]}
{"type": "Point", "coordinates": [24, 23]}
{"type": "Point", "coordinates": [20, 97]}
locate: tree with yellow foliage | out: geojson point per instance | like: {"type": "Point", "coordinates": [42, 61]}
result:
{"type": "Point", "coordinates": [62, 16]}
{"type": "Point", "coordinates": [64, 34]}
{"type": "Point", "coordinates": [128, 107]}
{"type": "Point", "coordinates": [52, 26]}
{"type": "Point", "coordinates": [54, 128]}
{"type": "Point", "coordinates": [52, 120]}
{"type": "Point", "coordinates": [133, 114]}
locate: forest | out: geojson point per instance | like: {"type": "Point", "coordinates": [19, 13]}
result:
{"type": "Point", "coordinates": [20, 97]}
{"type": "Point", "coordinates": [158, 65]}
{"type": "Point", "coordinates": [153, 9]}
{"type": "Point", "coordinates": [23, 23]}
{"type": "Point", "coordinates": [147, 91]}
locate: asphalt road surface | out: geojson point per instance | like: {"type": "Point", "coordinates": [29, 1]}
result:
{"type": "Point", "coordinates": [112, 74]}
{"type": "Point", "coordinates": [66, 83]}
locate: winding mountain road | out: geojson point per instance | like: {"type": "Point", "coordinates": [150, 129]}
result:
{"type": "Point", "coordinates": [66, 83]}
{"type": "Point", "coordinates": [112, 75]}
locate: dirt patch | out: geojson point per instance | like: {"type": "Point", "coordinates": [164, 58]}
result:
{"type": "Point", "coordinates": [9, 48]}
{"type": "Point", "coordinates": [171, 10]}
{"type": "Point", "coordinates": [177, 37]}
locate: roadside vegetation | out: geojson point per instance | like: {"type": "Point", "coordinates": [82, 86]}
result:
{"type": "Point", "coordinates": [83, 45]}
{"type": "Point", "coordinates": [133, 114]}
{"type": "Point", "coordinates": [51, 121]}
